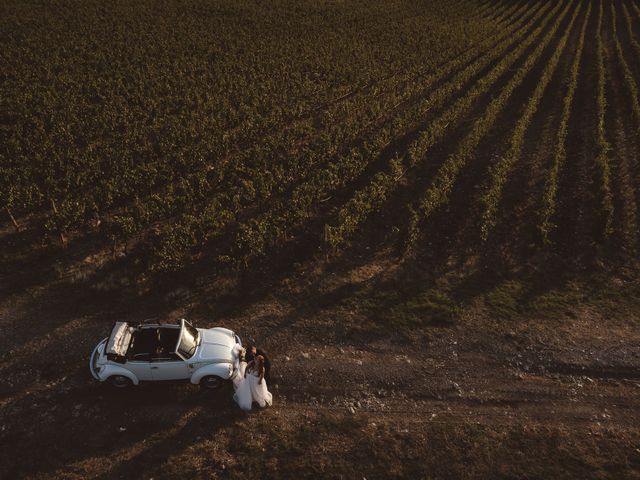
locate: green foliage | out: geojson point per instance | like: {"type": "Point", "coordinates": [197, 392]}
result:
{"type": "Point", "coordinates": [196, 117]}
{"type": "Point", "coordinates": [500, 171]}
{"type": "Point", "coordinates": [364, 201]}
{"type": "Point", "coordinates": [171, 252]}
{"type": "Point", "coordinates": [505, 301]}
{"type": "Point", "coordinates": [179, 126]}
{"type": "Point", "coordinates": [432, 307]}
{"type": "Point", "coordinates": [602, 159]}
{"type": "Point", "coordinates": [629, 79]}
{"type": "Point", "coordinates": [551, 188]}
{"type": "Point", "coordinates": [438, 192]}
{"type": "Point", "coordinates": [367, 200]}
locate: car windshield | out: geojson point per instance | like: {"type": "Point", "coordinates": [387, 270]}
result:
{"type": "Point", "coordinates": [188, 341]}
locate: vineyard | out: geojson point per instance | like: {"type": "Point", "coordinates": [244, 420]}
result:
{"type": "Point", "coordinates": [406, 166]}
{"type": "Point", "coordinates": [182, 137]}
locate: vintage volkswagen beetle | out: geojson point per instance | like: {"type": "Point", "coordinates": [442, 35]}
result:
{"type": "Point", "coordinates": [155, 352]}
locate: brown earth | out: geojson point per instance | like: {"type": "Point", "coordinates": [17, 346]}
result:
{"type": "Point", "coordinates": [516, 383]}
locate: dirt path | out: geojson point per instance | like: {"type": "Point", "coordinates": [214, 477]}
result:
{"type": "Point", "coordinates": [482, 400]}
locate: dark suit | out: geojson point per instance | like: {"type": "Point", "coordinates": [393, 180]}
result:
{"type": "Point", "coordinates": [249, 357]}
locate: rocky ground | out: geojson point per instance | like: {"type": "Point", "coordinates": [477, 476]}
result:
{"type": "Point", "coordinates": [361, 389]}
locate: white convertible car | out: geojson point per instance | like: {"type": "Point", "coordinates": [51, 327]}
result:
{"type": "Point", "coordinates": [153, 352]}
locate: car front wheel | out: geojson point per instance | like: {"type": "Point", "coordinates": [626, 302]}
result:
{"type": "Point", "coordinates": [211, 382]}
{"type": "Point", "coordinates": [119, 381]}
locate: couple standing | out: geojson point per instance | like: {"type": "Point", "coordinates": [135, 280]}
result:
{"type": "Point", "coordinates": [250, 381]}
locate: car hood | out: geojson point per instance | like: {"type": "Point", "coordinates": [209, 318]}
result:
{"type": "Point", "coordinates": [216, 345]}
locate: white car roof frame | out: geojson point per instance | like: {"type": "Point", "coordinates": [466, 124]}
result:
{"type": "Point", "coordinates": [183, 324]}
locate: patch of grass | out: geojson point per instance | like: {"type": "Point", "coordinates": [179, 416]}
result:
{"type": "Point", "coordinates": [523, 298]}
{"type": "Point", "coordinates": [505, 300]}
{"type": "Point", "coordinates": [556, 301]}
{"type": "Point", "coordinates": [431, 307]}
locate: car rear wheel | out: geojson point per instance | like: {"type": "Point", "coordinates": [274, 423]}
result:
{"type": "Point", "coordinates": [119, 381]}
{"type": "Point", "coordinates": [211, 382]}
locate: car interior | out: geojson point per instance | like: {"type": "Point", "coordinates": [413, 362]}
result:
{"type": "Point", "coordinates": [154, 344]}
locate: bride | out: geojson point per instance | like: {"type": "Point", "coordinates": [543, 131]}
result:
{"type": "Point", "coordinates": [251, 386]}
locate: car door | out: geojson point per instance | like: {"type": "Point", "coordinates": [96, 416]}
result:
{"type": "Point", "coordinates": [170, 368]}
{"type": "Point", "coordinates": [140, 366]}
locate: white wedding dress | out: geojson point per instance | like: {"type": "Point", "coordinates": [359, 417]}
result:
{"type": "Point", "coordinates": [249, 389]}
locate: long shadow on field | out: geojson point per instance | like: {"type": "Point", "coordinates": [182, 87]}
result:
{"type": "Point", "coordinates": [60, 302]}
{"type": "Point", "coordinates": [307, 243]}
{"type": "Point", "coordinates": [79, 427]}
{"type": "Point", "coordinates": [27, 263]}
{"type": "Point", "coordinates": [206, 424]}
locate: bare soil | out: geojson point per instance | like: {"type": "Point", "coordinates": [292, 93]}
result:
{"type": "Point", "coordinates": [518, 382]}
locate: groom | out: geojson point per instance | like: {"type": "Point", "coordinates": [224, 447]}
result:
{"type": "Point", "coordinates": [252, 353]}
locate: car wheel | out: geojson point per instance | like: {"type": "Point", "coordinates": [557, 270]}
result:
{"type": "Point", "coordinates": [119, 381]}
{"type": "Point", "coordinates": [211, 382]}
